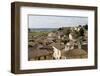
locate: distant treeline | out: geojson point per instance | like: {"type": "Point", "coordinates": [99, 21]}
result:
{"type": "Point", "coordinates": [41, 29]}
{"type": "Point", "coordinates": [52, 29]}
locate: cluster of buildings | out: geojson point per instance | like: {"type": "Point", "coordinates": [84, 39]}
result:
{"type": "Point", "coordinates": [45, 47]}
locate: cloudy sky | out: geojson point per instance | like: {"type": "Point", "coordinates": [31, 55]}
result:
{"type": "Point", "coordinates": [42, 21]}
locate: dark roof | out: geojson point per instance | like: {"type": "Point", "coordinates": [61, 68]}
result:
{"type": "Point", "coordinates": [57, 45]}
{"type": "Point", "coordinates": [76, 52]}
{"type": "Point", "coordinates": [38, 52]}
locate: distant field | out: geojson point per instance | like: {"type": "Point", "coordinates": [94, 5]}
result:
{"type": "Point", "coordinates": [38, 33]}
{"type": "Point", "coordinates": [42, 29]}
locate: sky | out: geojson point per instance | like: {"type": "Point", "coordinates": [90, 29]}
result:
{"type": "Point", "coordinates": [43, 21]}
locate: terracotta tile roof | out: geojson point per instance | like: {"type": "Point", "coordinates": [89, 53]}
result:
{"type": "Point", "coordinates": [38, 52]}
